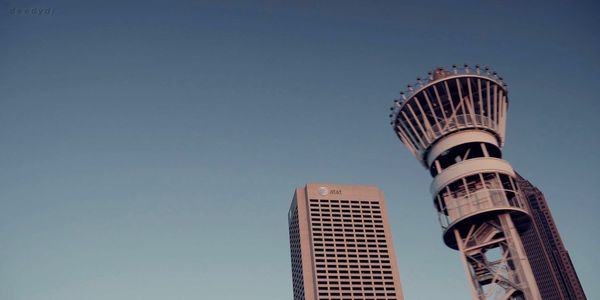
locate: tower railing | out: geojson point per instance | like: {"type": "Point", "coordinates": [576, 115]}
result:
{"type": "Point", "coordinates": [453, 209]}
{"type": "Point", "coordinates": [476, 71]}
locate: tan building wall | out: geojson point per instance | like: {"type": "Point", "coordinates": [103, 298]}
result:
{"type": "Point", "coordinates": [341, 244]}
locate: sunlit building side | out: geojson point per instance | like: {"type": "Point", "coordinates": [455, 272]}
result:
{"type": "Point", "coordinates": [341, 244]}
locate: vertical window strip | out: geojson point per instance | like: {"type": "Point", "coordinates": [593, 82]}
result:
{"type": "Point", "coordinates": [412, 131]}
{"type": "Point", "coordinates": [461, 99]}
{"type": "Point", "coordinates": [489, 111]}
{"type": "Point", "coordinates": [437, 95]}
{"type": "Point", "coordinates": [481, 109]}
{"type": "Point", "coordinates": [429, 131]}
{"type": "Point", "coordinates": [472, 102]}
{"type": "Point", "coordinates": [453, 114]}
{"type": "Point", "coordinates": [419, 124]}
{"type": "Point", "coordinates": [433, 112]}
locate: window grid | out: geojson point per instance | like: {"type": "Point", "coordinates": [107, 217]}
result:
{"type": "Point", "coordinates": [352, 258]}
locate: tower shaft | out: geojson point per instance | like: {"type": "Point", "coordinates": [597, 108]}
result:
{"type": "Point", "coordinates": [495, 261]}
{"type": "Point", "coordinates": [454, 124]}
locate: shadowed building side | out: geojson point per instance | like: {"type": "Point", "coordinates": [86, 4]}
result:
{"type": "Point", "coordinates": [341, 244]}
{"type": "Point", "coordinates": [550, 261]}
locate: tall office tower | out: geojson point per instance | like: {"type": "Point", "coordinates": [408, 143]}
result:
{"type": "Point", "coordinates": [550, 261]}
{"type": "Point", "coordinates": [454, 123]}
{"type": "Point", "coordinates": [341, 244]}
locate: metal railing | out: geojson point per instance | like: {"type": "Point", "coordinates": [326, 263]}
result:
{"type": "Point", "coordinates": [484, 72]}
{"type": "Point", "coordinates": [455, 208]}
{"type": "Point", "coordinates": [460, 122]}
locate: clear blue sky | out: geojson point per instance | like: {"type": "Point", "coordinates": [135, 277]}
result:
{"type": "Point", "coordinates": [150, 151]}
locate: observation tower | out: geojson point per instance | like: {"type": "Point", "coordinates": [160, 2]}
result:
{"type": "Point", "coordinates": [454, 123]}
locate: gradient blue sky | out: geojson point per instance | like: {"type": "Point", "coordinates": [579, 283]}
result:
{"type": "Point", "coordinates": [150, 150]}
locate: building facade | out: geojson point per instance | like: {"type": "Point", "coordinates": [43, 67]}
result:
{"type": "Point", "coordinates": [341, 244]}
{"type": "Point", "coordinates": [550, 261]}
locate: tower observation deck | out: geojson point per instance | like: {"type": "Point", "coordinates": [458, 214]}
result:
{"type": "Point", "coordinates": [454, 123]}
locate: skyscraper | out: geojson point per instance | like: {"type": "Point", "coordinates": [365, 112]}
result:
{"type": "Point", "coordinates": [454, 122]}
{"type": "Point", "coordinates": [550, 261]}
{"type": "Point", "coordinates": [341, 244]}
